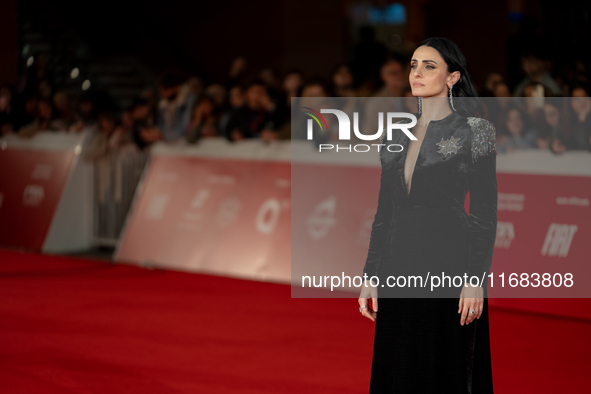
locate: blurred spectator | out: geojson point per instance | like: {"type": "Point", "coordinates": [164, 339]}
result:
{"type": "Point", "coordinates": [217, 92]}
{"type": "Point", "coordinates": [572, 72]}
{"type": "Point", "coordinates": [236, 99]}
{"type": "Point", "coordinates": [204, 122]}
{"type": "Point", "coordinates": [140, 110]}
{"type": "Point", "coordinates": [342, 80]}
{"type": "Point", "coordinates": [518, 132]}
{"type": "Point", "coordinates": [578, 133]}
{"type": "Point", "coordinates": [30, 110]}
{"type": "Point", "coordinates": [492, 79]}
{"type": "Point", "coordinates": [532, 104]}
{"type": "Point", "coordinates": [150, 96]}
{"type": "Point", "coordinates": [389, 97]}
{"type": "Point", "coordinates": [237, 70]}
{"type": "Point", "coordinates": [292, 82]}
{"type": "Point", "coordinates": [314, 87]}
{"type": "Point", "coordinates": [85, 114]}
{"type": "Point", "coordinates": [102, 141]}
{"type": "Point", "coordinates": [61, 103]}
{"type": "Point", "coordinates": [500, 89]}
{"type": "Point", "coordinates": [269, 76]}
{"type": "Point", "coordinates": [144, 134]}
{"type": "Point", "coordinates": [195, 85]}
{"type": "Point", "coordinates": [122, 137]}
{"type": "Point", "coordinates": [9, 116]}
{"type": "Point", "coordinates": [393, 75]}
{"type": "Point", "coordinates": [535, 71]}
{"type": "Point", "coordinates": [174, 108]}
{"type": "Point", "coordinates": [258, 118]}
{"type": "Point", "coordinates": [498, 103]}
{"type": "Point", "coordinates": [314, 95]}
{"type": "Point", "coordinates": [44, 121]}
{"type": "Point", "coordinates": [45, 89]}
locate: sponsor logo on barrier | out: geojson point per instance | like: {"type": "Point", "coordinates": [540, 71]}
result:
{"type": "Point", "coordinates": [576, 201]}
{"type": "Point", "coordinates": [268, 215]}
{"type": "Point", "coordinates": [505, 234]}
{"type": "Point", "coordinates": [221, 179]}
{"type": "Point", "coordinates": [228, 212]}
{"type": "Point", "coordinates": [33, 195]}
{"type": "Point", "coordinates": [200, 198]}
{"type": "Point", "coordinates": [322, 218]}
{"type": "Point", "coordinates": [42, 171]}
{"type": "Point", "coordinates": [511, 202]}
{"type": "Point", "coordinates": [558, 239]}
{"type": "Point", "coordinates": [157, 206]}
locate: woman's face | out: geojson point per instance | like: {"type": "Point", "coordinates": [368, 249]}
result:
{"type": "Point", "coordinates": [514, 122]}
{"type": "Point", "coordinates": [428, 73]}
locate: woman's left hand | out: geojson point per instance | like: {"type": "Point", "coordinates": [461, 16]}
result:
{"type": "Point", "coordinates": [471, 299]}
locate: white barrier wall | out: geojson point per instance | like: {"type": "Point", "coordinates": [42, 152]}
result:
{"type": "Point", "coordinates": [45, 192]}
{"type": "Point", "coordinates": [224, 209]}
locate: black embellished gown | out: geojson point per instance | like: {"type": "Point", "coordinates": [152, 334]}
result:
{"type": "Point", "coordinates": [420, 346]}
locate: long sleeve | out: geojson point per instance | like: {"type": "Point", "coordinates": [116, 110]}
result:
{"type": "Point", "coordinates": [381, 224]}
{"type": "Point", "coordinates": [482, 185]}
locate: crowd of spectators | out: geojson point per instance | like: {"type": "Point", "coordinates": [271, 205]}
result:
{"type": "Point", "coordinates": [553, 111]}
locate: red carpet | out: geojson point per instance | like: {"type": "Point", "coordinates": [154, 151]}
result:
{"type": "Point", "coordinates": [77, 326]}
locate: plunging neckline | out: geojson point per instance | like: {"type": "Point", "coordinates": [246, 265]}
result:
{"type": "Point", "coordinates": [412, 174]}
{"type": "Point", "coordinates": [408, 192]}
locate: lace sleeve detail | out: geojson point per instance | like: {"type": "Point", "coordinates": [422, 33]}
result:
{"type": "Point", "coordinates": [483, 138]}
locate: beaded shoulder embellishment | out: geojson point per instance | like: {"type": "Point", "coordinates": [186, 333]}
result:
{"type": "Point", "coordinates": [483, 137]}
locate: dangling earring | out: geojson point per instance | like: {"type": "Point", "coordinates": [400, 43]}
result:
{"type": "Point", "coordinates": [451, 100]}
{"type": "Point", "coordinates": [420, 106]}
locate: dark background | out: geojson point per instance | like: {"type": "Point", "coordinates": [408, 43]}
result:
{"type": "Point", "coordinates": [203, 37]}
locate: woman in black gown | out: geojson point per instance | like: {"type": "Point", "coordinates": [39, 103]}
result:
{"type": "Point", "coordinates": [427, 344]}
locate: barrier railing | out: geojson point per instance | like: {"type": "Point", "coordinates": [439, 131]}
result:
{"type": "Point", "coordinates": [116, 176]}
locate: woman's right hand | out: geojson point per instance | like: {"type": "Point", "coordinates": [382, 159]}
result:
{"type": "Point", "coordinates": [369, 292]}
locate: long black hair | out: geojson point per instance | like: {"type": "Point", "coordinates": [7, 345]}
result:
{"type": "Point", "coordinates": [456, 61]}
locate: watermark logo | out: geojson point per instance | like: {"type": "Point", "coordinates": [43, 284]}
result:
{"type": "Point", "coordinates": [310, 124]}
{"type": "Point", "coordinates": [389, 118]}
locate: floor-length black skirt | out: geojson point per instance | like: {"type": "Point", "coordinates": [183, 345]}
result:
{"type": "Point", "coordinates": [420, 346]}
